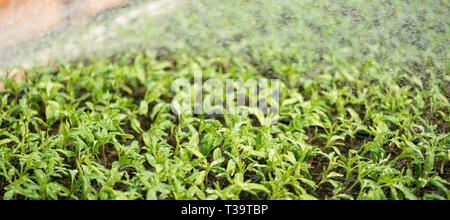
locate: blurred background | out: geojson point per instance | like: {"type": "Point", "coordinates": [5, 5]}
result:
{"type": "Point", "coordinates": [412, 34]}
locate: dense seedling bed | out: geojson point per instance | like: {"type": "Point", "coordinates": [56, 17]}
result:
{"type": "Point", "coordinates": [369, 125]}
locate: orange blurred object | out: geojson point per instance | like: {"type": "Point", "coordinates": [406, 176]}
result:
{"type": "Point", "coordinates": [21, 20]}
